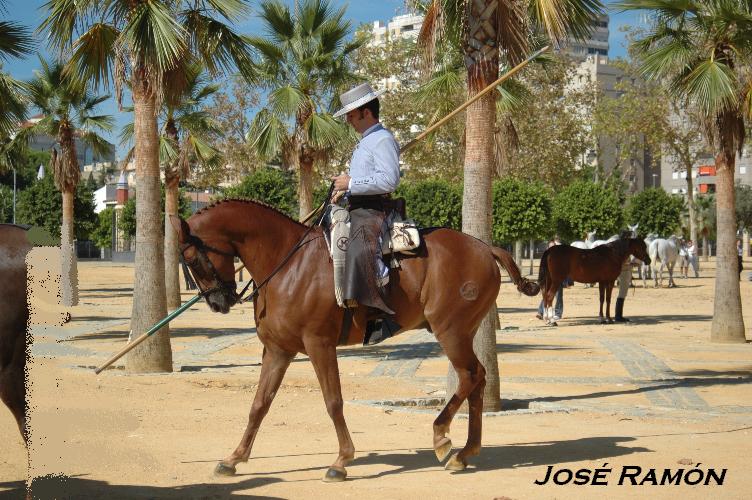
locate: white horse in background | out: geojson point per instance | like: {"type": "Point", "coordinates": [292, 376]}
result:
{"type": "Point", "coordinates": [645, 269]}
{"type": "Point", "coordinates": [584, 245]}
{"type": "Point", "coordinates": [598, 243]}
{"type": "Point", "coordinates": [667, 252]}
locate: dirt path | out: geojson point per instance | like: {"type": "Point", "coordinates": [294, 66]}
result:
{"type": "Point", "coordinates": [649, 394]}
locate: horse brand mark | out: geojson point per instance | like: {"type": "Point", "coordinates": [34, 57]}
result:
{"type": "Point", "coordinates": [469, 290]}
{"type": "Point", "coordinates": [342, 243]}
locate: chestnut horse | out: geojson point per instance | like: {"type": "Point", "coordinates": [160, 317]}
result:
{"type": "Point", "coordinates": [447, 288]}
{"type": "Point", "coordinates": [601, 264]}
{"type": "Point", "coordinates": [14, 314]}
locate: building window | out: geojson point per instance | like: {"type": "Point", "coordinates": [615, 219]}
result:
{"type": "Point", "coordinates": [674, 175]}
{"type": "Point", "coordinates": [674, 191]}
{"type": "Point", "coordinates": [742, 170]}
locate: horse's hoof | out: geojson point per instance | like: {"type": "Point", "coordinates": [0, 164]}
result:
{"type": "Point", "coordinates": [443, 449]}
{"type": "Point", "coordinates": [224, 470]}
{"type": "Point", "coordinates": [455, 464]}
{"type": "Point", "coordinates": [335, 475]}
{"type": "Point", "coordinates": [553, 323]}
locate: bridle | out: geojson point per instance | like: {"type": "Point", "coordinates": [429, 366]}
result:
{"type": "Point", "coordinates": [202, 249]}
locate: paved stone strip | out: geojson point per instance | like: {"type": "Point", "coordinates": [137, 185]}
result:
{"type": "Point", "coordinates": [425, 347]}
{"type": "Point", "coordinates": [641, 364]}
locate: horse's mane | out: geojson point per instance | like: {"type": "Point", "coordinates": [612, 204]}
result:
{"type": "Point", "coordinates": [249, 202]}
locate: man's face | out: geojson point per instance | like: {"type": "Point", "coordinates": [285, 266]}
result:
{"type": "Point", "coordinates": [359, 119]}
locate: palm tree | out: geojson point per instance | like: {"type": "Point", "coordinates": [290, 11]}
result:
{"type": "Point", "coordinates": [14, 42]}
{"type": "Point", "coordinates": [702, 50]}
{"type": "Point", "coordinates": [302, 62]}
{"type": "Point", "coordinates": [147, 44]}
{"type": "Point", "coordinates": [184, 140]}
{"type": "Point", "coordinates": [69, 109]}
{"type": "Point", "coordinates": [491, 32]}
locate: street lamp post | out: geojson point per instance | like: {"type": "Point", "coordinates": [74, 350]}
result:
{"type": "Point", "coordinates": [654, 176]}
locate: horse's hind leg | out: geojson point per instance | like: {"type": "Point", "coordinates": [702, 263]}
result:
{"type": "Point", "coordinates": [324, 358]}
{"type": "Point", "coordinates": [609, 289]}
{"type": "Point", "coordinates": [601, 296]}
{"type": "Point", "coordinates": [471, 374]}
{"type": "Point", "coordinates": [273, 367]}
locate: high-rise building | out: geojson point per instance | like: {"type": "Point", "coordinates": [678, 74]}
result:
{"type": "Point", "coordinates": [596, 45]}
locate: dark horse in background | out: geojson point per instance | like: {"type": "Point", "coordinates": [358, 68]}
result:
{"type": "Point", "coordinates": [601, 264]}
{"type": "Point", "coordinates": [14, 315]}
{"type": "Point", "coordinates": [447, 288]}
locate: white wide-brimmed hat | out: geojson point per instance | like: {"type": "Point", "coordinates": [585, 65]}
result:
{"type": "Point", "coordinates": [356, 97]}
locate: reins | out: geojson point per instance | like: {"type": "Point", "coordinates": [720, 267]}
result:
{"type": "Point", "coordinates": [202, 247]}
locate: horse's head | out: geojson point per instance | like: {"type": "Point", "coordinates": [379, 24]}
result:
{"type": "Point", "coordinates": [211, 260]}
{"type": "Point", "coordinates": [633, 229]}
{"type": "Point", "coordinates": [639, 249]}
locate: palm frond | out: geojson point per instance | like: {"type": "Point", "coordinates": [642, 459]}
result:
{"type": "Point", "coordinates": [14, 40]}
{"type": "Point", "coordinates": [323, 131]}
{"type": "Point", "coordinates": [286, 101]}
{"type": "Point", "coordinates": [267, 134]}
{"type": "Point", "coordinates": [155, 37]}
{"type": "Point", "coordinates": [710, 84]}
{"type": "Point", "coordinates": [92, 55]}
{"type": "Point", "coordinates": [560, 18]}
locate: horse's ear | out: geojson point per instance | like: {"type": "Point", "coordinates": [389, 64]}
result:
{"type": "Point", "coordinates": [181, 227]}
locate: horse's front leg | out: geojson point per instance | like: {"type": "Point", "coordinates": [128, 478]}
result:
{"type": "Point", "coordinates": [274, 364]}
{"type": "Point", "coordinates": [323, 356]}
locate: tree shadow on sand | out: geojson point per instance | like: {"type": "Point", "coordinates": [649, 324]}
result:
{"type": "Point", "coordinates": [61, 486]}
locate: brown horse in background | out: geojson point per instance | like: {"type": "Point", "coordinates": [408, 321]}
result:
{"type": "Point", "coordinates": [601, 264]}
{"type": "Point", "coordinates": [14, 315]}
{"type": "Point", "coordinates": [447, 288]}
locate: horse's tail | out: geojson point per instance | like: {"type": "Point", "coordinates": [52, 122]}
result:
{"type": "Point", "coordinates": [524, 285]}
{"type": "Point", "coordinates": [543, 270]}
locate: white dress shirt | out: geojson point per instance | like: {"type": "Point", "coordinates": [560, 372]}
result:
{"type": "Point", "coordinates": [374, 167]}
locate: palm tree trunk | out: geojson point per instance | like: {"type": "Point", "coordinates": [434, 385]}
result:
{"type": "Point", "coordinates": [480, 122]}
{"type": "Point", "coordinates": [518, 252]}
{"type": "Point", "coordinates": [172, 261]}
{"type": "Point", "coordinates": [532, 257]}
{"type": "Point", "coordinates": [705, 248]}
{"type": "Point", "coordinates": [728, 323]}
{"type": "Point", "coordinates": [149, 305]}
{"type": "Point", "coordinates": [69, 271]}
{"type": "Point", "coordinates": [691, 205]}
{"type": "Point", "coordinates": [305, 187]}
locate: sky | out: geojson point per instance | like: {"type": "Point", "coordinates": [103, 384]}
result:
{"type": "Point", "coordinates": [29, 13]}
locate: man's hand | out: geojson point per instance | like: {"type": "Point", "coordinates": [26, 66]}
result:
{"type": "Point", "coordinates": [341, 185]}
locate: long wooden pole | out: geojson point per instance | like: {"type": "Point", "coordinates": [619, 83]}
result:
{"type": "Point", "coordinates": [154, 329]}
{"type": "Point", "coordinates": [477, 96]}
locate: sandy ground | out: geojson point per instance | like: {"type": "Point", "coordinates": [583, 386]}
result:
{"type": "Point", "coordinates": [652, 393]}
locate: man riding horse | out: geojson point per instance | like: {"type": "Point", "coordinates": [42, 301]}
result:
{"type": "Point", "coordinates": [374, 174]}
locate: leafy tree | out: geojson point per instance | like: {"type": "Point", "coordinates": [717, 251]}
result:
{"type": "Point", "coordinates": [541, 131]}
{"type": "Point", "coordinates": [743, 197]}
{"type": "Point", "coordinates": [6, 204]}
{"type": "Point", "coordinates": [26, 162]}
{"type": "Point", "coordinates": [232, 111]}
{"type": "Point", "coordinates": [655, 211]}
{"type": "Point", "coordinates": [148, 46]}
{"type": "Point", "coordinates": [102, 234]}
{"type": "Point", "coordinates": [42, 205]}
{"type": "Point", "coordinates": [128, 220]}
{"type": "Point", "coordinates": [269, 185]}
{"type": "Point", "coordinates": [584, 206]}
{"type": "Point", "coordinates": [522, 210]}
{"type": "Point", "coordinates": [302, 63]}
{"type": "Point", "coordinates": [69, 110]}
{"type": "Point", "coordinates": [433, 202]}
{"type": "Point", "coordinates": [701, 50]}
